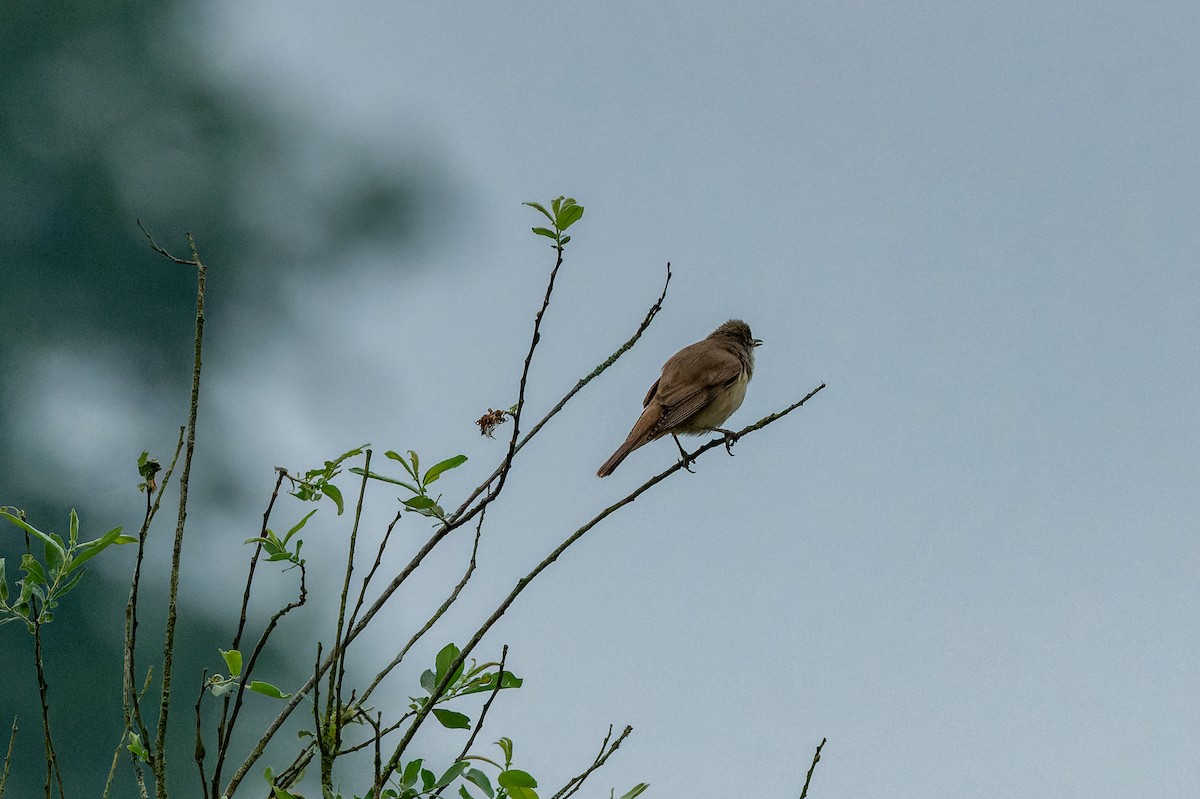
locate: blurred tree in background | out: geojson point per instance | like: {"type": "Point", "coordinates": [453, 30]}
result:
{"type": "Point", "coordinates": [107, 115]}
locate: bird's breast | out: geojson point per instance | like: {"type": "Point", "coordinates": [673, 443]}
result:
{"type": "Point", "coordinates": [721, 408]}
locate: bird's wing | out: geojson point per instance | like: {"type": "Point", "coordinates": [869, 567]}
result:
{"type": "Point", "coordinates": [691, 379]}
{"type": "Point", "coordinates": [650, 394]}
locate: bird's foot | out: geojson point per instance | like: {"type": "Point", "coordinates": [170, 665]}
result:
{"type": "Point", "coordinates": [731, 438]}
{"type": "Point", "coordinates": [688, 460]}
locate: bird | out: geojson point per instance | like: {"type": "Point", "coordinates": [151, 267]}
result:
{"type": "Point", "coordinates": [699, 388]}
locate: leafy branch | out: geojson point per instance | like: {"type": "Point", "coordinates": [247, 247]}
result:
{"type": "Point", "coordinates": [566, 212]}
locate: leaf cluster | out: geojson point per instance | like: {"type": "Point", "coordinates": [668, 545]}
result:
{"type": "Point", "coordinates": [220, 685]}
{"type": "Point", "coordinates": [563, 213]}
{"type": "Point", "coordinates": [420, 501]}
{"type": "Point", "coordinates": [48, 580]}
{"type": "Point", "coordinates": [317, 483]}
{"type": "Point", "coordinates": [463, 682]}
{"type": "Point", "coordinates": [277, 548]}
{"type": "Point", "coordinates": [148, 467]}
{"type": "Point", "coordinates": [416, 780]}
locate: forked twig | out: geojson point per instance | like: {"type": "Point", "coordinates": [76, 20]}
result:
{"type": "Point", "coordinates": [575, 783]}
{"type": "Point", "coordinates": [628, 345]}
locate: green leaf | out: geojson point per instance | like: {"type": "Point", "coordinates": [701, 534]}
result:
{"type": "Point", "coordinates": [416, 464]}
{"type": "Point", "coordinates": [540, 207]}
{"type": "Point", "coordinates": [258, 539]}
{"type": "Point", "coordinates": [436, 470]}
{"type": "Point", "coordinates": [419, 503]}
{"type": "Point", "coordinates": [515, 778]}
{"type": "Point", "coordinates": [464, 793]}
{"type": "Point", "coordinates": [335, 493]}
{"type": "Point", "coordinates": [410, 773]}
{"type": "Point", "coordinates": [488, 683]}
{"type": "Point", "coordinates": [233, 661]}
{"type": "Point", "coordinates": [452, 720]}
{"type": "Point", "coordinates": [33, 531]}
{"type": "Point", "coordinates": [54, 557]}
{"type": "Point", "coordinates": [400, 459]}
{"type": "Point", "coordinates": [266, 689]}
{"type": "Point", "coordinates": [506, 746]}
{"type": "Point", "coordinates": [386, 479]}
{"type": "Point", "coordinates": [564, 241]}
{"type": "Point", "coordinates": [71, 582]}
{"type": "Point", "coordinates": [452, 773]}
{"type": "Point", "coordinates": [444, 659]}
{"type": "Point", "coordinates": [33, 571]}
{"type": "Point", "coordinates": [299, 525]}
{"type": "Point", "coordinates": [556, 205]}
{"type": "Point", "coordinates": [522, 793]}
{"type": "Point", "coordinates": [480, 779]}
{"type": "Point", "coordinates": [135, 746]}
{"type": "Point", "coordinates": [636, 790]}
{"type": "Point", "coordinates": [541, 231]}
{"type": "Point", "coordinates": [429, 680]}
{"type": "Point", "coordinates": [427, 780]}
{"type": "Point", "coordinates": [3, 583]}
{"type": "Point", "coordinates": [93, 548]}
{"type": "Point", "coordinates": [569, 216]}
{"type": "Point", "coordinates": [350, 453]}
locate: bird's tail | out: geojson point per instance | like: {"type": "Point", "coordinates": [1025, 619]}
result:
{"type": "Point", "coordinates": [642, 433]}
{"type": "Point", "coordinates": [612, 463]}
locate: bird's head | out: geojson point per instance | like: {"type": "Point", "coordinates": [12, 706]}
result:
{"type": "Point", "coordinates": [739, 331]}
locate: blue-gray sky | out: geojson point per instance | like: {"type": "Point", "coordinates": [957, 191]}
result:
{"type": "Point", "coordinates": [970, 562]}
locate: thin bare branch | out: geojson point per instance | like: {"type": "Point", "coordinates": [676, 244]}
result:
{"type": "Point", "coordinates": [808, 779]}
{"type": "Point", "coordinates": [340, 646]}
{"type": "Point", "coordinates": [248, 669]}
{"type": "Point", "coordinates": [130, 699]}
{"type": "Point", "coordinates": [378, 739]}
{"type": "Point", "coordinates": [575, 783]}
{"type": "Point", "coordinates": [432, 619]}
{"type": "Point", "coordinates": [112, 769]}
{"type": "Point", "coordinates": [280, 474]}
{"type": "Point", "coordinates": [224, 726]}
{"type": "Point", "coordinates": [154, 246]}
{"type": "Point", "coordinates": [198, 748]}
{"type": "Point", "coordinates": [628, 345]}
{"type": "Point", "coordinates": [362, 591]}
{"type": "Point", "coordinates": [53, 771]}
{"type": "Point", "coordinates": [12, 737]}
{"type": "Point", "coordinates": [164, 706]}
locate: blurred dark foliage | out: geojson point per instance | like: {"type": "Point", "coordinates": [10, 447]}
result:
{"type": "Point", "coordinates": [108, 115]}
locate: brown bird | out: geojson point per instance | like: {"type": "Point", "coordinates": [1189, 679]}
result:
{"type": "Point", "coordinates": [700, 387]}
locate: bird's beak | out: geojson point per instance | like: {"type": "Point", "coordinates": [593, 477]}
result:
{"type": "Point", "coordinates": [757, 342]}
